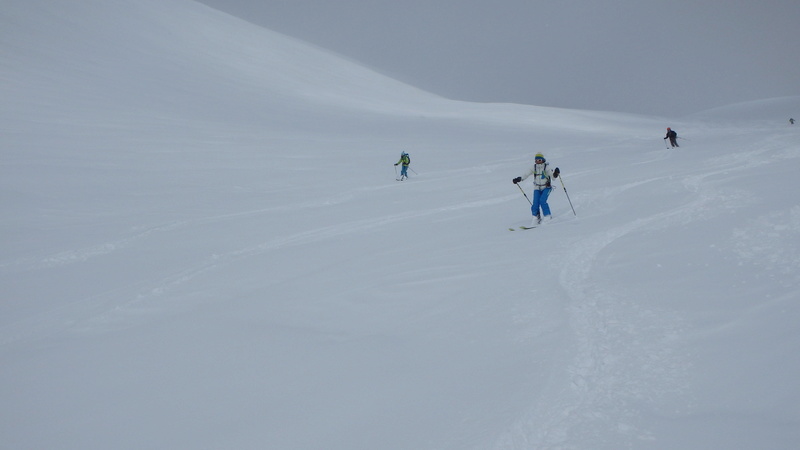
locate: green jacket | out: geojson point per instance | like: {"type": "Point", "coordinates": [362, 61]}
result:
{"type": "Point", "coordinates": [405, 160]}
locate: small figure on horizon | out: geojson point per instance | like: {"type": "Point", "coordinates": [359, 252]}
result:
{"type": "Point", "coordinates": [791, 121]}
{"type": "Point", "coordinates": [405, 160]}
{"type": "Point", "coordinates": [673, 137]}
{"type": "Point", "coordinates": [542, 177]}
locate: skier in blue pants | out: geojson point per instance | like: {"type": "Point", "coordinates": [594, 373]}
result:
{"type": "Point", "coordinates": [542, 176]}
{"type": "Point", "coordinates": [405, 160]}
{"type": "Point", "coordinates": [540, 201]}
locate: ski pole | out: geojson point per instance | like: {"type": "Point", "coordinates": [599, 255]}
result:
{"type": "Point", "coordinates": [395, 171]}
{"type": "Point", "coordinates": [415, 172]}
{"type": "Point", "coordinates": [523, 193]}
{"type": "Point", "coordinates": [565, 191]}
{"type": "Point", "coordinates": [665, 143]}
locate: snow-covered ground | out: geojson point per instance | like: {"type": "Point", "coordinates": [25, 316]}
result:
{"type": "Point", "coordinates": [204, 246]}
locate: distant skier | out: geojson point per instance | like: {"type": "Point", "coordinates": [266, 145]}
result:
{"type": "Point", "coordinates": [542, 177]}
{"type": "Point", "coordinates": [791, 121]}
{"type": "Point", "coordinates": [673, 137]}
{"type": "Point", "coordinates": [405, 160]}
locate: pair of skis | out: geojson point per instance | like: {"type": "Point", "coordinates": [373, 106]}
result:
{"type": "Point", "coordinates": [521, 228]}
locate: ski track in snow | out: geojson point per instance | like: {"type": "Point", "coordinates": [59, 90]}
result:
{"type": "Point", "coordinates": [98, 311]}
{"type": "Point", "coordinates": [611, 367]}
{"type": "Point", "coordinates": [87, 253]}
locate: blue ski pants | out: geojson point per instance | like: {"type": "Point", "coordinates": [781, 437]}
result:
{"type": "Point", "coordinates": [540, 201]}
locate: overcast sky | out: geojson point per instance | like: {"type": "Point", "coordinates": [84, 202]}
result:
{"type": "Point", "coordinates": [641, 56]}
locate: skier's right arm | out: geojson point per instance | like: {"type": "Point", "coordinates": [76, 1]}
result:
{"type": "Point", "coordinates": [524, 177]}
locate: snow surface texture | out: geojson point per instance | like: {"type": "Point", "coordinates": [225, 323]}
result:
{"type": "Point", "coordinates": [204, 246]}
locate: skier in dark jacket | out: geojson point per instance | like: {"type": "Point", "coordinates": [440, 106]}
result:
{"type": "Point", "coordinates": [673, 137]}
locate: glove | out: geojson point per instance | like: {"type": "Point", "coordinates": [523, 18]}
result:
{"type": "Point", "coordinates": [396, 164]}
{"type": "Point", "coordinates": [517, 180]}
{"type": "Point", "coordinates": [556, 172]}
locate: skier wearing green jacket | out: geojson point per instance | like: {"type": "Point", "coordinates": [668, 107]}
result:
{"type": "Point", "coordinates": [405, 160]}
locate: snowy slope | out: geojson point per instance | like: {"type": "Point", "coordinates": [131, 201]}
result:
{"type": "Point", "coordinates": [203, 246]}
